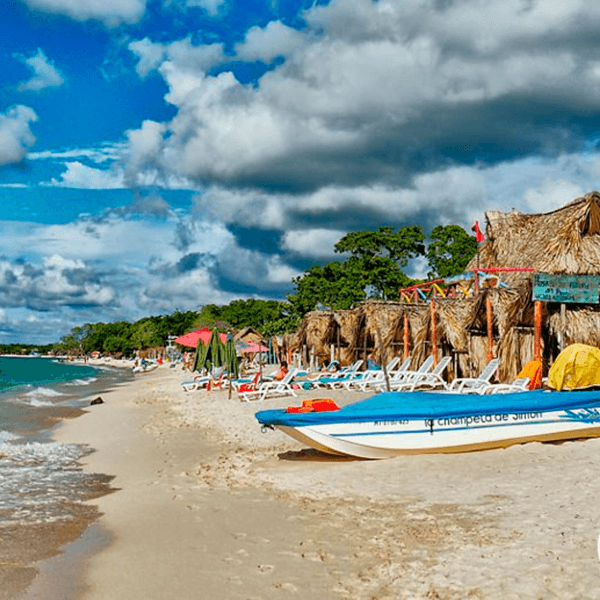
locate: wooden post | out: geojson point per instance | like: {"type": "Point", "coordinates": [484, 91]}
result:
{"type": "Point", "coordinates": [537, 339]}
{"type": "Point", "coordinates": [331, 353]}
{"type": "Point", "coordinates": [406, 352]}
{"type": "Point", "coordinates": [490, 326]}
{"type": "Point", "coordinates": [382, 353]}
{"type": "Point", "coordinates": [563, 323]}
{"type": "Point", "coordinates": [433, 333]}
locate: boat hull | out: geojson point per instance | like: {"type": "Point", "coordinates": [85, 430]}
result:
{"type": "Point", "coordinates": [387, 435]}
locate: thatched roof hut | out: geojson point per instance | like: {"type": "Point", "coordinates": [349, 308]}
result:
{"type": "Point", "coordinates": [563, 241]}
{"type": "Point", "coordinates": [380, 329]}
{"type": "Point", "coordinates": [566, 240]}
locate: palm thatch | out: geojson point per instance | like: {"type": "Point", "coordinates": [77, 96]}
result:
{"type": "Point", "coordinates": [380, 329]}
{"type": "Point", "coordinates": [566, 240]}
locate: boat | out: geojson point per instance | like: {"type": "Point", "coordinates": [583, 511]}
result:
{"type": "Point", "coordinates": [396, 423]}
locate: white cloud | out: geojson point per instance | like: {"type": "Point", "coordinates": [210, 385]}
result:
{"type": "Point", "coordinates": [313, 243]}
{"type": "Point", "coordinates": [459, 194]}
{"type": "Point", "coordinates": [189, 58]}
{"type": "Point", "coordinates": [362, 81]}
{"type": "Point", "coordinates": [107, 152]}
{"type": "Point", "coordinates": [44, 74]}
{"type": "Point", "coordinates": [56, 281]}
{"type": "Point", "coordinates": [110, 12]}
{"type": "Point", "coordinates": [81, 176]}
{"type": "Point", "coordinates": [275, 39]}
{"type": "Point", "coordinates": [16, 136]}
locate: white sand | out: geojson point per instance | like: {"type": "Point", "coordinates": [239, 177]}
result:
{"type": "Point", "coordinates": [209, 507]}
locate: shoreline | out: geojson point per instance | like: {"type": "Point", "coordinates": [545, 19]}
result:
{"type": "Point", "coordinates": [206, 502]}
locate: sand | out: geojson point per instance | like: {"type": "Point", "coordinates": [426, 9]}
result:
{"type": "Point", "coordinates": [209, 507]}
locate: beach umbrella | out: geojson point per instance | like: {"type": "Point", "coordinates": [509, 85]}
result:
{"type": "Point", "coordinates": [253, 347]}
{"type": "Point", "coordinates": [191, 339]}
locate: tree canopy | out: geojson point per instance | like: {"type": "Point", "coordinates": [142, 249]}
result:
{"type": "Point", "coordinates": [374, 267]}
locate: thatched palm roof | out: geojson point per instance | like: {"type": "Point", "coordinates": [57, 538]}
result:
{"type": "Point", "coordinates": [566, 240]}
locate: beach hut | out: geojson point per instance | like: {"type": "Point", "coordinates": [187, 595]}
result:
{"type": "Point", "coordinates": [565, 241]}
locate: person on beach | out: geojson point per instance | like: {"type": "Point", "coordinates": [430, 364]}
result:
{"type": "Point", "coordinates": [283, 371]}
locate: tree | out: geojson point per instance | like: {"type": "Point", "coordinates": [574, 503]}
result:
{"type": "Point", "coordinates": [373, 269]}
{"type": "Point", "coordinates": [450, 251]}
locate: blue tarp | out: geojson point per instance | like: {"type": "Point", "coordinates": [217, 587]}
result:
{"type": "Point", "coordinates": [396, 406]}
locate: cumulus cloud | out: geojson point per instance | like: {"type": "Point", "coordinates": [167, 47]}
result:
{"type": "Point", "coordinates": [188, 57]}
{"type": "Point", "coordinates": [44, 74]}
{"type": "Point", "coordinates": [377, 92]}
{"type": "Point", "coordinates": [56, 281]}
{"type": "Point", "coordinates": [314, 221]}
{"type": "Point", "coordinates": [313, 243]}
{"type": "Point", "coordinates": [16, 136]}
{"type": "Point", "coordinates": [110, 12]}
{"type": "Point", "coordinates": [269, 42]}
{"type": "Point", "coordinates": [79, 175]}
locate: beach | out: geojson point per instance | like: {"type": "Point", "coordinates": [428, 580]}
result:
{"type": "Point", "coordinates": [207, 506]}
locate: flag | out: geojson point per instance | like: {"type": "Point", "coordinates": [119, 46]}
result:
{"type": "Point", "coordinates": [478, 233]}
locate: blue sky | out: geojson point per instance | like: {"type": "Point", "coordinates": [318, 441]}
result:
{"type": "Point", "coordinates": [163, 154]}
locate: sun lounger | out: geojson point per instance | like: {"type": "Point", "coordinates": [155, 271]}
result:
{"type": "Point", "coordinates": [404, 376]}
{"type": "Point", "coordinates": [337, 378]}
{"type": "Point", "coordinates": [473, 385]}
{"type": "Point", "coordinates": [281, 387]}
{"type": "Point", "coordinates": [371, 378]}
{"type": "Point", "coordinates": [430, 380]}
{"type": "Point", "coordinates": [519, 385]}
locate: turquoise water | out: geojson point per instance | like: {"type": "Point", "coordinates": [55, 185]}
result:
{"type": "Point", "coordinates": [40, 477]}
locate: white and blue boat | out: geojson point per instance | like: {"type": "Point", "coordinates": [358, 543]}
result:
{"type": "Point", "coordinates": [395, 423]}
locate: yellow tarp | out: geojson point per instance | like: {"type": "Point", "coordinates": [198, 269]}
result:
{"type": "Point", "coordinates": [576, 366]}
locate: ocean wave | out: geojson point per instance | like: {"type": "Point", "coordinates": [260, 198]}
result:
{"type": "Point", "coordinates": [7, 436]}
{"type": "Point", "coordinates": [86, 381]}
{"type": "Point", "coordinates": [44, 391]}
{"type": "Point", "coordinates": [53, 454]}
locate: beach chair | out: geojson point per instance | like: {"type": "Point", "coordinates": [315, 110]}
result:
{"type": "Point", "coordinates": [473, 385]}
{"type": "Point", "coordinates": [519, 385]}
{"type": "Point", "coordinates": [202, 381]}
{"type": "Point", "coordinates": [431, 379]}
{"type": "Point", "coordinates": [282, 387]}
{"type": "Point", "coordinates": [338, 378]}
{"type": "Point", "coordinates": [375, 376]}
{"type": "Point", "coordinates": [401, 377]}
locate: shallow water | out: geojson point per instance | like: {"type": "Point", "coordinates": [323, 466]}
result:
{"type": "Point", "coordinates": [41, 478]}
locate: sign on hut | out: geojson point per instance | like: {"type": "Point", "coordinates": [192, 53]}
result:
{"type": "Point", "coordinates": [582, 289]}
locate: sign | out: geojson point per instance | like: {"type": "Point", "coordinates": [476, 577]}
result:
{"type": "Point", "coordinates": [582, 289]}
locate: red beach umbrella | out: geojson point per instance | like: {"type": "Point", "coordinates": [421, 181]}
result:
{"type": "Point", "coordinates": [254, 347]}
{"type": "Point", "coordinates": [191, 339]}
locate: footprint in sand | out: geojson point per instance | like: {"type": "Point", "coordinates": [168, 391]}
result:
{"type": "Point", "coordinates": [265, 569]}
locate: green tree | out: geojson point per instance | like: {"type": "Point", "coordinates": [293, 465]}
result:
{"type": "Point", "coordinates": [450, 250]}
{"type": "Point", "coordinates": [373, 269]}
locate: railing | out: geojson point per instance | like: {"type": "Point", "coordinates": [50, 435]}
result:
{"type": "Point", "coordinates": [465, 286]}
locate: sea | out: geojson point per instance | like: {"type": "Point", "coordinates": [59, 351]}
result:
{"type": "Point", "coordinates": [41, 479]}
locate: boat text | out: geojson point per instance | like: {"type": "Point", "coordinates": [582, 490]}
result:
{"type": "Point", "coordinates": [483, 419]}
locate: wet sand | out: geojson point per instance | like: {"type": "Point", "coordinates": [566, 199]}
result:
{"type": "Point", "coordinates": [209, 507]}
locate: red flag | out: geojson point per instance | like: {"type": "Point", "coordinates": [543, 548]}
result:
{"type": "Point", "coordinates": [478, 233]}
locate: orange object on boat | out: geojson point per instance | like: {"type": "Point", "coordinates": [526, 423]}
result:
{"type": "Point", "coordinates": [316, 405]}
{"type": "Point", "coordinates": [533, 370]}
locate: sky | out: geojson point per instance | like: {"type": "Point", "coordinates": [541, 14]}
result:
{"type": "Point", "coordinates": [160, 155]}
